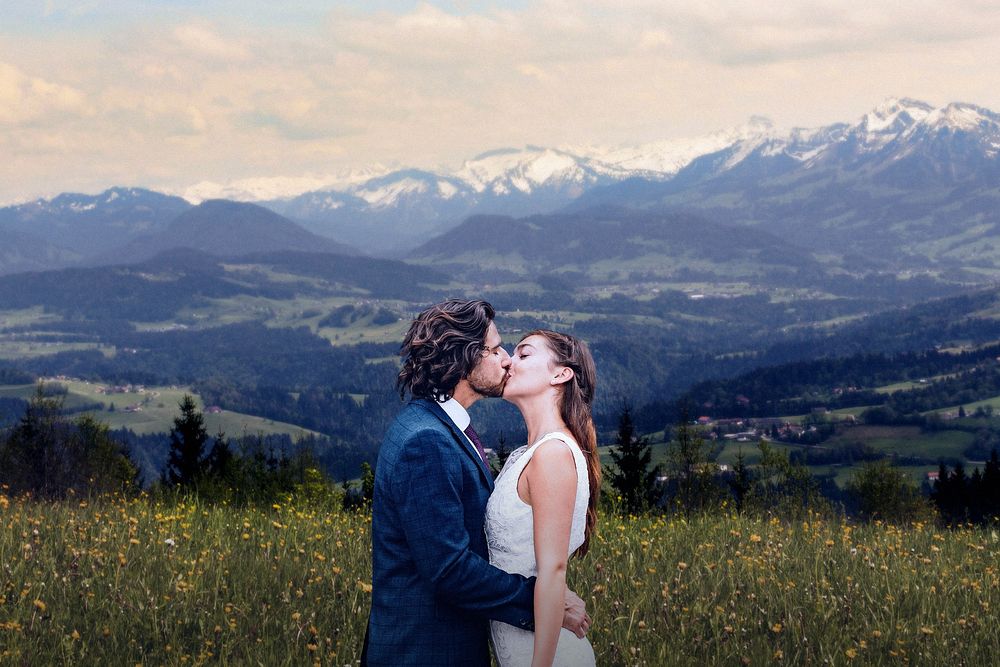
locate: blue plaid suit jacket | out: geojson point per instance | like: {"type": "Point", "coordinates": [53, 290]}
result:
{"type": "Point", "coordinates": [433, 589]}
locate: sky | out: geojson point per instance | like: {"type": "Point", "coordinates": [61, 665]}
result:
{"type": "Point", "coordinates": [168, 93]}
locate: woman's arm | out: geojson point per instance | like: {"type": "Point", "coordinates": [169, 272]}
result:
{"type": "Point", "coordinates": [550, 479]}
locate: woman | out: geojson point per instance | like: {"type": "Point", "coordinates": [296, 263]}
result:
{"type": "Point", "coordinates": [544, 506]}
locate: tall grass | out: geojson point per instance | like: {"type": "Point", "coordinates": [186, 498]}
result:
{"type": "Point", "coordinates": [124, 582]}
{"type": "Point", "coordinates": [119, 582]}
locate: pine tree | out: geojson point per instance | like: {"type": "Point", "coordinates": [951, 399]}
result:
{"type": "Point", "coordinates": [221, 460]}
{"type": "Point", "coordinates": [29, 459]}
{"type": "Point", "coordinates": [991, 488]}
{"type": "Point", "coordinates": [742, 481]}
{"type": "Point", "coordinates": [49, 456]}
{"type": "Point", "coordinates": [631, 475]}
{"type": "Point", "coordinates": [187, 460]}
{"type": "Point", "coordinates": [503, 452]}
{"type": "Point", "coordinates": [691, 468]}
{"type": "Point", "coordinates": [367, 482]}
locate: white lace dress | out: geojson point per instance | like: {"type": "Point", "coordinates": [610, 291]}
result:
{"type": "Point", "coordinates": [509, 533]}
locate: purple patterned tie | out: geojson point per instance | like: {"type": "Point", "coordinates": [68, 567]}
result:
{"type": "Point", "coordinates": [474, 437]}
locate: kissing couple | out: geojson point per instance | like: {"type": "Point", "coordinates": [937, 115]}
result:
{"type": "Point", "coordinates": [458, 559]}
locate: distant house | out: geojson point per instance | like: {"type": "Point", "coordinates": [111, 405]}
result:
{"type": "Point", "coordinates": [933, 476]}
{"type": "Point", "coordinates": [704, 421]}
{"type": "Point", "coordinates": [213, 410]}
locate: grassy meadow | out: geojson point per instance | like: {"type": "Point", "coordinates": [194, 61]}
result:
{"type": "Point", "coordinates": [116, 581]}
{"type": "Point", "coordinates": [159, 408]}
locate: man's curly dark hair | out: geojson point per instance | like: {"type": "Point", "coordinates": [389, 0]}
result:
{"type": "Point", "coordinates": [443, 346]}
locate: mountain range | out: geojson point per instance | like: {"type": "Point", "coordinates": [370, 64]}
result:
{"type": "Point", "coordinates": [908, 186]}
{"type": "Point", "coordinates": [610, 245]}
{"type": "Point", "coordinates": [128, 225]}
{"type": "Point", "coordinates": [904, 166]}
{"type": "Point", "coordinates": [909, 183]}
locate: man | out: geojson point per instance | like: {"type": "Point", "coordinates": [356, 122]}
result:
{"type": "Point", "coordinates": [433, 589]}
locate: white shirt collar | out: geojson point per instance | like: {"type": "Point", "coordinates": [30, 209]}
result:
{"type": "Point", "coordinates": [458, 414]}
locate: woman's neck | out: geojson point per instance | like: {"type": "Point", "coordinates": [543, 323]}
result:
{"type": "Point", "coordinates": [541, 416]}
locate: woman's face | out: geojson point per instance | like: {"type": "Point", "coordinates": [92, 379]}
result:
{"type": "Point", "coordinates": [532, 368]}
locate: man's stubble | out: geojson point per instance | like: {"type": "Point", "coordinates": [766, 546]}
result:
{"type": "Point", "coordinates": [487, 389]}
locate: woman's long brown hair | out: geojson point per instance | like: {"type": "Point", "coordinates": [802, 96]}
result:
{"type": "Point", "coordinates": [575, 409]}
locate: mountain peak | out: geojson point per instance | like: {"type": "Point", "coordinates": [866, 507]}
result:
{"type": "Point", "coordinates": [521, 170]}
{"type": "Point", "coordinates": [892, 105]}
{"type": "Point", "coordinates": [962, 116]}
{"type": "Point", "coordinates": [269, 188]}
{"type": "Point", "coordinates": [894, 115]}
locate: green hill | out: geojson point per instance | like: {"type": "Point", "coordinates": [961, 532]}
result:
{"type": "Point", "coordinates": [146, 410]}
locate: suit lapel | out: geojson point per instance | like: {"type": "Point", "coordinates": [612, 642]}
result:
{"type": "Point", "coordinates": [462, 441]}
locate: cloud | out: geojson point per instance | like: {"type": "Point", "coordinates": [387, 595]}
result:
{"type": "Point", "coordinates": [190, 93]}
{"type": "Point", "coordinates": [202, 40]}
{"type": "Point", "coordinates": [753, 31]}
{"type": "Point", "coordinates": [32, 99]}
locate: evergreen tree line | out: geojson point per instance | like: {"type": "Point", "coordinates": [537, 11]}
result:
{"type": "Point", "coordinates": [50, 455]}
{"type": "Point", "coordinates": [798, 387]}
{"type": "Point", "coordinates": [691, 482]}
{"type": "Point", "coordinates": [252, 472]}
{"type": "Point", "coordinates": [975, 498]}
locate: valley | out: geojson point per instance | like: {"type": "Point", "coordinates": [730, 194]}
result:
{"type": "Point", "coordinates": [847, 270]}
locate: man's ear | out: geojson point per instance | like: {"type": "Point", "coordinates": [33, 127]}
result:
{"type": "Point", "coordinates": [565, 374]}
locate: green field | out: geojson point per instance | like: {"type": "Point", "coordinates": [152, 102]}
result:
{"type": "Point", "coordinates": [993, 402]}
{"type": "Point", "coordinates": [28, 349]}
{"type": "Point", "coordinates": [24, 317]}
{"type": "Point", "coordinates": [159, 408]}
{"type": "Point", "coordinates": [905, 440]}
{"type": "Point", "coordinates": [751, 452]}
{"type": "Point", "coordinates": [126, 582]}
{"type": "Point", "coordinates": [892, 440]}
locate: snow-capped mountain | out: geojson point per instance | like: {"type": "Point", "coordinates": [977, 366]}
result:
{"type": "Point", "coordinates": [904, 163]}
{"type": "Point", "coordinates": [906, 181]}
{"type": "Point", "coordinates": [401, 208]}
{"type": "Point", "coordinates": [663, 159]}
{"type": "Point", "coordinates": [83, 224]}
{"type": "Point", "coordinates": [511, 171]}
{"type": "Point", "coordinates": [279, 187]}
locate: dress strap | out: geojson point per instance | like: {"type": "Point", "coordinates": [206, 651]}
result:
{"type": "Point", "coordinates": [568, 440]}
{"type": "Point", "coordinates": [554, 435]}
